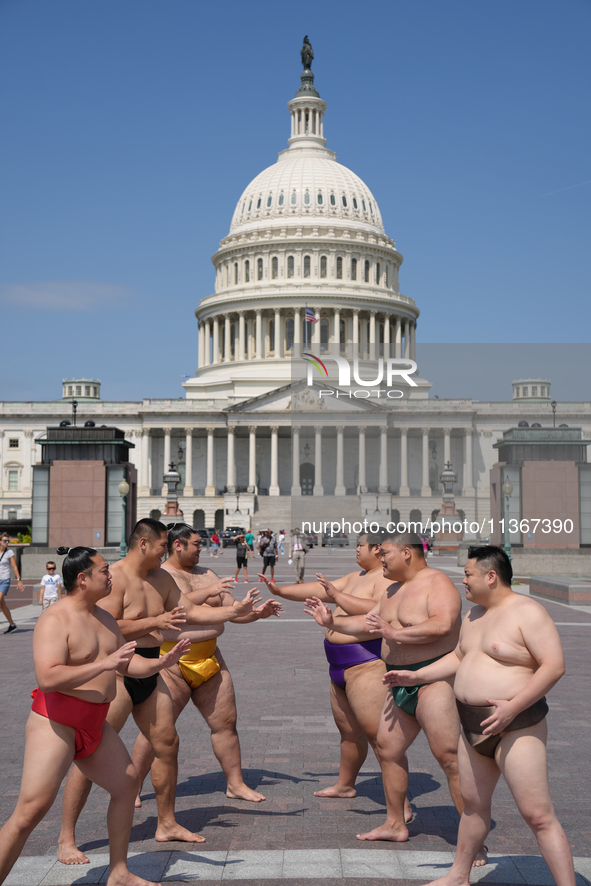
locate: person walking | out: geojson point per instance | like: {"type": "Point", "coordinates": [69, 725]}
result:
{"type": "Point", "coordinates": [51, 586]}
{"type": "Point", "coordinates": [6, 560]}
{"type": "Point", "coordinates": [298, 548]}
{"type": "Point", "coordinates": [250, 542]}
{"type": "Point", "coordinates": [281, 542]}
{"type": "Point", "coordinates": [269, 552]}
{"type": "Point", "coordinates": [215, 543]}
{"type": "Point", "coordinates": [241, 557]}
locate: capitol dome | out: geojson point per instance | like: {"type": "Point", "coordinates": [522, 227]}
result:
{"type": "Point", "coordinates": [306, 235]}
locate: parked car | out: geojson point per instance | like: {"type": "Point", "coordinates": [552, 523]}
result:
{"type": "Point", "coordinates": [205, 534]}
{"type": "Point", "coordinates": [311, 538]}
{"type": "Point", "coordinates": [335, 540]}
{"type": "Point", "coordinates": [230, 534]}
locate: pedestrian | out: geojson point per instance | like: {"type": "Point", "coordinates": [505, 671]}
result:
{"type": "Point", "coordinates": [241, 557]}
{"type": "Point", "coordinates": [298, 548]}
{"type": "Point", "coordinates": [281, 542]}
{"type": "Point", "coordinates": [269, 552]}
{"type": "Point", "coordinates": [51, 586]}
{"type": "Point", "coordinates": [215, 543]}
{"type": "Point", "coordinates": [6, 560]}
{"type": "Point", "coordinates": [250, 542]}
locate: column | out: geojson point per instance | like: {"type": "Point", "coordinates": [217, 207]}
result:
{"type": "Point", "coordinates": [167, 432]}
{"type": "Point", "coordinates": [413, 340]}
{"type": "Point", "coordinates": [446, 446]}
{"type": "Point", "coordinates": [398, 338]}
{"type": "Point", "coordinates": [356, 333]}
{"type": "Point", "coordinates": [188, 488]}
{"type": "Point", "coordinates": [27, 484]}
{"type": "Point", "coordinates": [340, 485]}
{"type": "Point", "coordinates": [372, 335]}
{"type": "Point", "coordinates": [383, 476]}
{"type": "Point", "coordinates": [231, 469]}
{"type": "Point", "coordinates": [278, 336]}
{"type": "Point", "coordinates": [404, 487]}
{"type": "Point", "coordinates": [210, 484]}
{"type": "Point", "coordinates": [201, 354]}
{"type": "Point", "coordinates": [227, 348]}
{"type": "Point", "coordinates": [207, 344]}
{"type": "Point", "coordinates": [336, 332]}
{"type": "Point", "coordinates": [406, 339]}
{"type": "Point", "coordinates": [241, 335]}
{"type": "Point", "coordinates": [252, 459]}
{"type": "Point", "coordinates": [259, 335]}
{"type": "Point", "coordinates": [274, 485]}
{"type": "Point", "coordinates": [362, 487]}
{"type": "Point", "coordinates": [297, 333]}
{"type": "Point", "coordinates": [216, 341]}
{"type": "Point", "coordinates": [145, 468]}
{"type": "Point", "coordinates": [296, 488]}
{"type": "Point", "coordinates": [425, 487]}
{"type": "Point", "coordinates": [318, 487]}
{"type": "Point", "coordinates": [316, 333]}
{"type": "Point", "coordinates": [386, 336]}
{"type": "Point", "coordinates": [468, 477]}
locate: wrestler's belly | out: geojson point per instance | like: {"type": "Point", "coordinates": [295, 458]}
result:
{"type": "Point", "coordinates": [406, 654]}
{"type": "Point", "coordinates": [194, 633]}
{"type": "Point", "coordinates": [480, 677]}
{"type": "Point", "coordinates": [345, 639]}
{"type": "Point", "coordinates": [99, 690]}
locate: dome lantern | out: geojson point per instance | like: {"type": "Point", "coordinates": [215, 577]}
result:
{"type": "Point", "coordinates": [307, 108]}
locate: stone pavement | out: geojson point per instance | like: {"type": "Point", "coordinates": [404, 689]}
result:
{"type": "Point", "coordinates": [290, 748]}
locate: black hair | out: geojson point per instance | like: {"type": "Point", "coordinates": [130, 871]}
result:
{"type": "Point", "coordinates": [375, 538]}
{"type": "Point", "coordinates": [492, 557]}
{"type": "Point", "coordinates": [146, 528]}
{"type": "Point", "coordinates": [410, 540]}
{"type": "Point", "coordinates": [78, 559]}
{"type": "Point", "coordinates": [180, 531]}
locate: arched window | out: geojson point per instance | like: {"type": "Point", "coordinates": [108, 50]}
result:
{"type": "Point", "coordinates": [294, 198]}
{"type": "Point", "coordinates": [289, 334]}
{"type": "Point", "coordinates": [306, 266]}
{"type": "Point", "coordinates": [366, 276]}
{"type": "Point", "coordinates": [275, 267]}
{"type": "Point", "coordinates": [281, 199]}
{"type": "Point", "coordinates": [342, 334]}
{"type": "Point", "coordinates": [247, 271]}
{"type": "Point", "coordinates": [235, 273]}
{"type": "Point", "coordinates": [290, 265]}
{"type": "Point", "coordinates": [307, 198]}
{"type": "Point", "coordinates": [344, 201]}
{"type": "Point", "coordinates": [319, 199]}
{"type": "Point", "coordinates": [324, 334]}
{"type": "Point", "coordinates": [333, 200]}
{"type": "Point", "coordinates": [323, 265]}
{"type": "Point", "coordinates": [339, 268]}
{"type": "Point", "coordinates": [377, 274]}
{"type": "Point", "coordinates": [353, 269]}
{"type": "Point", "coordinates": [260, 269]}
{"type": "Point", "coordinates": [269, 200]}
{"type": "Point", "coordinates": [259, 203]}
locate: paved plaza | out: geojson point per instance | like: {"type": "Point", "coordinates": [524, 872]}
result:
{"type": "Point", "coordinates": [290, 748]}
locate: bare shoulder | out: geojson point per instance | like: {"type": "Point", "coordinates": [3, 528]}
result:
{"type": "Point", "coordinates": [528, 611]}
{"type": "Point", "coordinates": [105, 619]}
{"type": "Point", "coordinates": [162, 581]}
{"type": "Point", "coordinates": [383, 585]}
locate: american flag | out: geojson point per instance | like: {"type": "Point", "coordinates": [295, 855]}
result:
{"type": "Point", "coordinates": [310, 316]}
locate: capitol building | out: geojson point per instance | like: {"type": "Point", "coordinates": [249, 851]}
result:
{"type": "Point", "coordinates": [254, 443]}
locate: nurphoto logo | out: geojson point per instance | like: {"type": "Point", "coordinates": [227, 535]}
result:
{"type": "Point", "coordinates": [389, 371]}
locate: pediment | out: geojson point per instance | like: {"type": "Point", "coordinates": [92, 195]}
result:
{"type": "Point", "coordinates": [300, 399]}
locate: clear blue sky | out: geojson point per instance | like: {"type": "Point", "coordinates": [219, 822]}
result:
{"type": "Point", "coordinates": [131, 128]}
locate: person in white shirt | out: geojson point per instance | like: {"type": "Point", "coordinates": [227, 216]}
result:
{"type": "Point", "coordinates": [6, 560]}
{"type": "Point", "coordinates": [51, 586]}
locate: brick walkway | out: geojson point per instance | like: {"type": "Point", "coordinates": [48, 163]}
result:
{"type": "Point", "coordinates": [290, 748]}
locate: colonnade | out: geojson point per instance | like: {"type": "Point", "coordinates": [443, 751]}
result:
{"type": "Point", "coordinates": [233, 336]}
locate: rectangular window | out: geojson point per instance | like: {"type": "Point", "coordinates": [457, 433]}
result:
{"type": "Point", "coordinates": [275, 267]}
{"type": "Point", "coordinates": [235, 273]}
{"type": "Point", "coordinates": [78, 390]}
{"type": "Point", "coordinates": [339, 268]}
{"type": "Point", "coordinates": [306, 266]}
{"type": "Point", "coordinates": [87, 390]}
{"type": "Point", "coordinates": [534, 391]}
{"type": "Point", "coordinates": [247, 271]}
{"type": "Point", "coordinates": [13, 481]}
{"type": "Point", "coordinates": [290, 266]}
{"type": "Point", "coordinates": [366, 272]}
{"type": "Point", "coordinates": [13, 443]}
{"type": "Point", "coordinates": [260, 269]}
{"type": "Point", "coordinates": [40, 512]}
{"type": "Point", "coordinates": [353, 269]}
{"type": "Point", "coordinates": [525, 394]}
{"type": "Point", "coordinates": [323, 266]}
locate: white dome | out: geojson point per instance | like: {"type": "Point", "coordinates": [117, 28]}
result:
{"type": "Point", "coordinates": [306, 184]}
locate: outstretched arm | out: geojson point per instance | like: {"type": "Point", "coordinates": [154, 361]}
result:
{"type": "Point", "coordinates": [349, 604]}
{"type": "Point", "coordinates": [139, 667]}
{"type": "Point", "coordinates": [443, 669]}
{"type": "Point", "coordinates": [343, 624]}
{"type": "Point", "coordinates": [299, 593]}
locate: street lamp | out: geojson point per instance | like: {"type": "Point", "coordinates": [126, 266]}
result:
{"type": "Point", "coordinates": [507, 489]}
{"type": "Point", "coordinates": [123, 492]}
{"type": "Point", "coordinates": [553, 404]}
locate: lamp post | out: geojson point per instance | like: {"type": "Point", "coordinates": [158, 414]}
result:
{"type": "Point", "coordinates": [123, 492]}
{"type": "Point", "coordinates": [507, 489]}
{"type": "Point", "coordinates": [553, 404]}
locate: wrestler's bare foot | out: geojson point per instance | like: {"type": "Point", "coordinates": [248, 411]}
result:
{"type": "Point", "coordinates": [481, 857]}
{"type": "Point", "coordinates": [128, 879]}
{"type": "Point", "coordinates": [393, 833]}
{"type": "Point", "coordinates": [68, 853]}
{"type": "Point", "coordinates": [335, 791]}
{"type": "Point", "coordinates": [407, 811]}
{"type": "Point", "coordinates": [138, 802]}
{"type": "Point", "coordinates": [176, 832]}
{"type": "Point", "coordinates": [243, 792]}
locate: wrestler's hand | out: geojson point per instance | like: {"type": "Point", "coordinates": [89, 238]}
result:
{"type": "Point", "coordinates": [175, 653]}
{"type": "Point", "coordinates": [273, 587]}
{"type": "Point", "coordinates": [400, 678]}
{"type": "Point", "coordinates": [321, 614]}
{"type": "Point", "coordinates": [222, 586]}
{"type": "Point", "coordinates": [327, 585]}
{"type": "Point", "coordinates": [268, 608]}
{"type": "Point", "coordinates": [377, 625]}
{"type": "Point", "coordinates": [503, 715]}
{"type": "Point", "coordinates": [170, 621]}
{"type": "Point", "coordinates": [246, 606]}
{"type": "Point", "coordinates": [121, 657]}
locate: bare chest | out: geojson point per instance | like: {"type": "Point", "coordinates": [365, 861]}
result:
{"type": "Point", "coordinates": [405, 607]}
{"type": "Point", "coordinates": [88, 641]}
{"type": "Point", "coordinates": [142, 600]}
{"type": "Point", "coordinates": [498, 638]}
